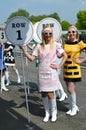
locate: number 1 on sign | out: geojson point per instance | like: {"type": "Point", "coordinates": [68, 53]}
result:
{"type": "Point", "coordinates": [19, 35]}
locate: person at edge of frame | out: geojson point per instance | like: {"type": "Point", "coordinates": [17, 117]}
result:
{"type": "Point", "coordinates": [2, 68]}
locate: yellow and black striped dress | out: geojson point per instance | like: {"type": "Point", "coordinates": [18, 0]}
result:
{"type": "Point", "coordinates": [71, 70]}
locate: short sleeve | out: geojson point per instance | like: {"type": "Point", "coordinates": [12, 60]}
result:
{"type": "Point", "coordinates": [59, 48]}
{"type": "Point", "coordinates": [34, 45]}
{"type": "Point", "coordinates": [82, 45]}
{"type": "Point", "coordinates": [11, 47]}
{"type": "Point", "coordinates": [36, 50]}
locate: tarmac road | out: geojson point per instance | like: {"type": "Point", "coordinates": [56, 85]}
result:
{"type": "Point", "coordinates": [19, 111]}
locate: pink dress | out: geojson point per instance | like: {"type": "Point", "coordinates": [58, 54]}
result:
{"type": "Point", "coordinates": [48, 79]}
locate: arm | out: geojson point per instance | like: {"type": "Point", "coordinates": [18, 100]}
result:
{"type": "Point", "coordinates": [64, 58]}
{"type": "Point", "coordinates": [55, 66]}
{"type": "Point", "coordinates": [8, 49]}
{"type": "Point", "coordinates": [30, 57]}
{"type": "Point", "coordinates": [31, 47]}
{"type": "Point", "coordinates": [79, 61]}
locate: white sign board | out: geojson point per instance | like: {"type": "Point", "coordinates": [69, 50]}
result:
{"type": "Point", "coordinates": [54, 24]}
{"type": "Point", "coordinates": [19, 30]}
{"type": "Point", "coordinates": [35, 36]}
{"type": "Point", "coordinates": [3, 38]}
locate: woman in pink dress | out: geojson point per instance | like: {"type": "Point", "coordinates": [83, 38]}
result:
{"type": "Point", "coordinates": [48, 78]}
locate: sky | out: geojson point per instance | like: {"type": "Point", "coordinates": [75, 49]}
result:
{"type": "Point", "coordinates": [66, 9]}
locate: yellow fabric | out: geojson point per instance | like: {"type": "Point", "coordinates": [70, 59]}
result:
{"type": "Point", "coordinates": [71, 69]}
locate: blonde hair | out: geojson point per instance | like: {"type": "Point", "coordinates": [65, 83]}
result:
{"type": "Point", "coordinates": [72, 26]}
{"type": "Point", "coordinates": [47, 27]}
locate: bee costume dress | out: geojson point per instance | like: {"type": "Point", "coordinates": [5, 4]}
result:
{"type": "Point", "coordinates": [72, 71]}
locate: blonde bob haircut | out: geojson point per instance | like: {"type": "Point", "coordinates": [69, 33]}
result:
{"type": "Point", "coordinates": [75, 29]}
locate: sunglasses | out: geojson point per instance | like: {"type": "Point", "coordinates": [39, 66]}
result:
{"type": "Point", "coordinates": [48, 33]}
{"type": "Point", "coordinates": [71, 32]}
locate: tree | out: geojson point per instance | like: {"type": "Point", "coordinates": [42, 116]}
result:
{"type": "Point", "coordinates": [65, 25]}
{"type": "Point", "coordinates": [33, 18]}
{"type": "Point", "coordinates": [55, 15]}
{"type": "Point", "coordinates": [40, 17]}
{"type": "Point", "coordinates": [20, 12]}
{"type": "Point", "coordinates": [81, 22]}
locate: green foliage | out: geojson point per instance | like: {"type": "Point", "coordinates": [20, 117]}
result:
{"type": "Point", "coordinates": [35, 19]}
{"type": "Point", "coordinates": [55, 15]}
{"type": "Point", "coordinates": [80, 24]}
{"type": "Point", "coordinates": [20, 12]}
{"type": "Point", "coordinates": [81, 20]}
{"type": "Point", "coordinates": [65, 25]}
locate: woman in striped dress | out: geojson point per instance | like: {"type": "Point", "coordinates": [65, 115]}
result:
{"type": "Point", "coordinates": [72, 72]}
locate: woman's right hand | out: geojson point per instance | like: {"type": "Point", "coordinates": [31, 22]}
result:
{"type": "Point", "coordinates": [22, 48]}
{"type": "Point", "coordinates": [77, 60]}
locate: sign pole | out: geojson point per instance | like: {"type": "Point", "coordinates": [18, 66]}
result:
{"type": "Point", "coordinates": [25, 87]}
